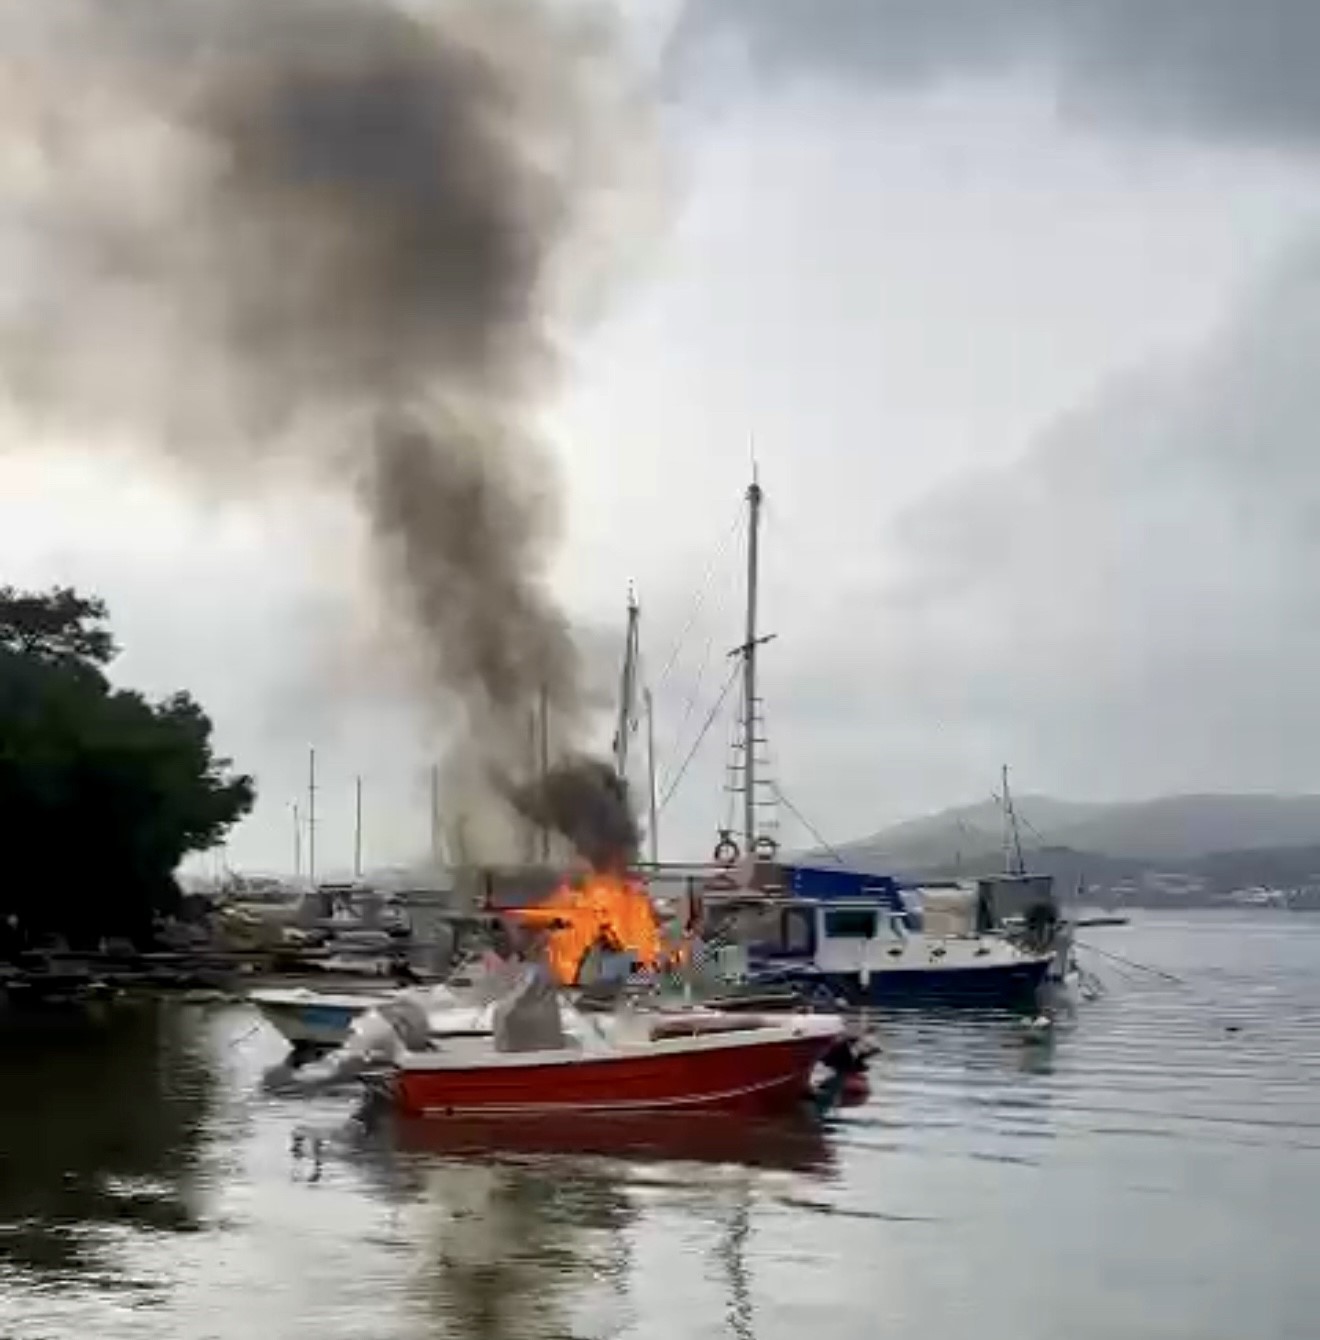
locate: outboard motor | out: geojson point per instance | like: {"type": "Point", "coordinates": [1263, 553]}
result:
{"type": "Point", "coordinates": [406, 1015]}
{"type": "Point", "coordinates": [846, 1063]}
{"type": "Point", "coordinates": [375, 1039]}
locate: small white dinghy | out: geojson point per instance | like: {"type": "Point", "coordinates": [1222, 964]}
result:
{"type": "Point", "coordinates": [323, 1020]}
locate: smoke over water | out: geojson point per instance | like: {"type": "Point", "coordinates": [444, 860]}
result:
{"type": "Point", "coordinates": [330, 241]}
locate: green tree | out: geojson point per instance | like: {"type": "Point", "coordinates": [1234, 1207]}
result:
{"type": "Point", "coordinates": [55, 625]}
{"type": "Point", "coordinates": [102, 792]}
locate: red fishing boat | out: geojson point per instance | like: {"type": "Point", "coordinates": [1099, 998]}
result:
{"type": "Point", "coordinates": [697, 1061]}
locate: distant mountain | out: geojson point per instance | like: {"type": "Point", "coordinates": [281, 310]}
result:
{"type": "Point", "coordinates": [1179, 831]}
{"type": "Point", "coordinates": [967, 832]}
{"type": "Point", "coordinates": [1178, 828]}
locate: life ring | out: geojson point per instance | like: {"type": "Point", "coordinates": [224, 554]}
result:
{"type": "Point", "coordinates": [726, 851]}
{"type": "Point", "coordinates": [766, 847]}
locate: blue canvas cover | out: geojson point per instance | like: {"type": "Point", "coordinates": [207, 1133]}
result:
{"type": "Point", "coordinates": [827, 882]}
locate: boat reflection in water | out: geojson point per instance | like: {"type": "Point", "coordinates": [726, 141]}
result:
{"type": "Point", "coordinates": [540, 1228]}
{"type": "Point", "coordinates": [791, 1144]}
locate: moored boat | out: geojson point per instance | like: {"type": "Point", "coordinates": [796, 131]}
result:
{"type": "Point", "coordinates": [308, 1018]}
{"type": "Point", "coordinates": [836, 935]}
{"type": "Point", "coordinates": [322, 1020]}
{"type": "Point", "coordinates": [857, 946]}
{"type": "Point", "coordinates": [690, 1062]}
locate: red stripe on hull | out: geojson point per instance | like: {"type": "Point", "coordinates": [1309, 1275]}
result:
{"type": "Point", "coordinates": [756, 1080]}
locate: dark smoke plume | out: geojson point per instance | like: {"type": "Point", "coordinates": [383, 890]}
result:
{"type": "Point", "coordinates": [587, 801]}
{"type": "Point", "coordinates": [326, 241]}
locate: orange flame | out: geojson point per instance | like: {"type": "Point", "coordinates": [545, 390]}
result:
{"type": "Point", "coordinates": [605, 909]}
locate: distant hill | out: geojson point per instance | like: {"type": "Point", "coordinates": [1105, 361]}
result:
{"type": "Point", "coordinates": [1169, 828]}
{"type": "Point", "coordinates": [1173, 849]}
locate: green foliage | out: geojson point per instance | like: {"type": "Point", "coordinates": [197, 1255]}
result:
{"type": "Point", "coordinates": [102, 793]}
{"type": "Point", "coordinates": [55, 625]}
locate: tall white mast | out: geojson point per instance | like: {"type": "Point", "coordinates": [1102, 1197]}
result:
{"type": "Point", "coordinates": [627, 690]}
{"type": "Point", "coordinates": [749, 667]}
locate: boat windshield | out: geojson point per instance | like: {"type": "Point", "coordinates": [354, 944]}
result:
{"type": "Point", "coordinates": [851, 923]}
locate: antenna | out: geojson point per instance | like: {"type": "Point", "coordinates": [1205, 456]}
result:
{"type": "Point", "coordinates": [357, 828]}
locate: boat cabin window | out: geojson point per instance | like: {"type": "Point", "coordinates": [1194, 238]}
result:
{"type": "Point", "coordinates": [797, 931]}
{"type": "Point", "coordinates": [851, 923]}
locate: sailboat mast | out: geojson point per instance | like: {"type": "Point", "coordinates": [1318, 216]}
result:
{"type": "Point", "coordinates": [435, 816]}
{"type": "Point", "coordinates": [543, 760]}
{"type": "Point", "coordinates": [1013, 862]}
{"type": "Point", "coordinates": [653, 829]}
{"type": "Point", "coordinates": [749, 667]}
{"type": "Point", "coordinates": [627, 689]}
{"type": "Point", "coordinates": [297, 841]}
{"type": "Point", "coordinates": [311, 817]}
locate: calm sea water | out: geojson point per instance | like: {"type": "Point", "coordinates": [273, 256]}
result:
{"type": "Point", "coordinates": [1152, 1171]}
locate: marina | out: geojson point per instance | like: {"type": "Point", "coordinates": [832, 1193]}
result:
{"type": "Point", "coordinates": [1146, 1171]}
{"type": "Point", "coordinates": [654, 671]}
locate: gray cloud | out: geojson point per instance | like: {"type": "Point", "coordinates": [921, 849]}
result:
{"type": "Point", "coordinates": [1222, 66]}
{"type": "Point", "coordinates": [334, 244]}
{"type": "Point", "coordinates": [1134, 605]}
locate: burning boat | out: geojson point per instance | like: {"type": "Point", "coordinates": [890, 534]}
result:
{"type": "Point", "coordinates": [534, 1052]}
{"type": "Point", "coordinates": [594, 933]}
{"type": "Point", "coordinates": [603, 927]}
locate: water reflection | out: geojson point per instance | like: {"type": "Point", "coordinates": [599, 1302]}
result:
{"type": "Point", "coordinates": [1139, 1169]}
{"type": "Point", "coordinates": [100, 1129]}
{"type": "Point", "coordinates": [789, 1145]}
{"type": "Point", "coordinates": [527, 1224]}
{"type": "Point", "coordinates": [511, 1248]}
{"type": "Point", "coordinates": [732, 1254]}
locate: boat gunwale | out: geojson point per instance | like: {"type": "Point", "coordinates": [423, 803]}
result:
{"type": "Point", "coordinates": [808, 1028]}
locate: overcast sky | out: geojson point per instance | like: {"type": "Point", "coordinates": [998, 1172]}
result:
{"type": "Point", "coordinates": [1017, 305]}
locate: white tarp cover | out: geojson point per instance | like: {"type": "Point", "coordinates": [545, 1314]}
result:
{"type": "Point", "coordinates": [527, 1019]}
{"type": "Point", "coordinates": [948, 912]}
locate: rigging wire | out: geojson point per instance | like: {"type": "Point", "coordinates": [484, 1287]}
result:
{"type": "Point", "coordinates": [702, 592]}
{"type": "Point", "coordinates": [701, 735]}
{"type": "Point", "coordinates": [1131, 962]}
{"type": "Point", "coordinates": [806, 823]}
{"type": "Point", "coordinates": [1021, 819]}
{"type": "Point", "coordinates": [676, 737]}
{"type": "Point", "coordinates": [690, 706]}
